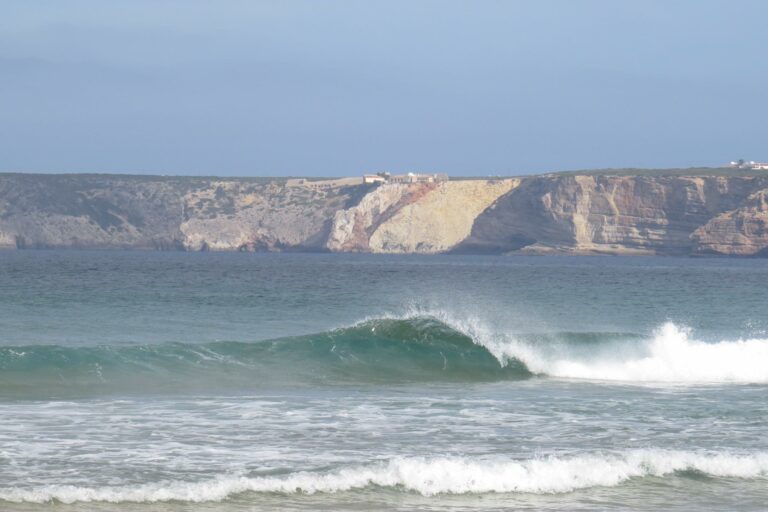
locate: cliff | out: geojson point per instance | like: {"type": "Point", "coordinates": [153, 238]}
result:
{"type": "Point", "coordinates": [138, 212]}
{"type": "Point", "coordinates": [676, 213]}
{"type": "Point", "coordinates": [440, 218]}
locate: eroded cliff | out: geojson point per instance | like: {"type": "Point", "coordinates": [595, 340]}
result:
{"type": "Point", "coordinates": [137, 212]}
{"type": "Point", "coordinates": [439, 219]}
{"type": "Point", "coordinates": [598, 213]}
{"type": "Point", "coordinates": [613, 215]}
{"type": "Point", "coordinates": [742, 231]}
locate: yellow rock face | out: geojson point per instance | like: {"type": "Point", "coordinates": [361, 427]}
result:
{"type": "Point", "coordinates": [440, 219]}
{"type": "Point", "coordinates": [740, 232]}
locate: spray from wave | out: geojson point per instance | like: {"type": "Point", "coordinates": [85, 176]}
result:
{"type": "Point", "coordinates": [457, 475]}
{"type": "Point", "coordinates": [670, 355]}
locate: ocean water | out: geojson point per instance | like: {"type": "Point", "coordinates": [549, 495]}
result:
{"type": "Point", "coordinates": [134, 381]}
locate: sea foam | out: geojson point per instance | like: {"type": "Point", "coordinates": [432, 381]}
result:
{"type": "Point", "coordinates": [428, 477]}
{"type": "Point", "coordinates": [670, 355]}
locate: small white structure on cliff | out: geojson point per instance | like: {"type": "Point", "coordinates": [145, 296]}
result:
{"type": "Point", "coordinates": [741, 164]}
{"type": "Point", "coordinates": [373, 178]}
{"type": "Point", "coordinates": [418, 178]}
{"type": "Point", "coordinates": [411, 177]}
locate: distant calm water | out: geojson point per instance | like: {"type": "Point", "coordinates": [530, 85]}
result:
{"type": "Point", "coordinates": [202, 381]}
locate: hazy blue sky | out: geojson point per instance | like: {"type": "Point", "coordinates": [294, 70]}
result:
{"type": "Point", "coordinates": [338, 88]}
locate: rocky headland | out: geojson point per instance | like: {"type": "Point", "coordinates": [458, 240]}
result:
{"type": "Point", "coordinates": [674, 212]}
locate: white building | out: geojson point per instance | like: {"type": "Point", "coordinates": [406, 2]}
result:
{"type": "Point", "coordinates": [741, 164]}
{"type": "Point", "coordinates": [373, 178]}
{"type": "Point", "coordinates": [412, 177]}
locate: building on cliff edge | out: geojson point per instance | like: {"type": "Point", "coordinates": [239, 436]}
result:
{"type": "Point", "coordinates": [374, 178]}
{"type": "Point", "coordinates": [755, 166]}
{"type": "Point", "coordinates": [411, 177]}
{"type": "Point", "coordinates": [418, 178]}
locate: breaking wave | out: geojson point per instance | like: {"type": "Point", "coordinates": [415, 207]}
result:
{"type": "Point", "coordinates": [458, 475]}
{"type": "Point", "coordinates": [669, 355]}
{"type": "Point", "coordinates": [376, 351]}
{"type": "Point", "coordinates": [418, 348]}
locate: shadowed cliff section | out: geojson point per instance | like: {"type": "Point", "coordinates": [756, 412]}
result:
{"type": "Point", "coordinates": [179, 213]}
{"type": "Point", "coordinates": [92, 211]}
{"type": "Point", "coordinates": [675, 212]}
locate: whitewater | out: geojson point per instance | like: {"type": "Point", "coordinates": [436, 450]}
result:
{"type": "Point", "coordinates": [430, 346]}
{"type": "Point", "coordinates": [669, 355]}
{"type": "Point", "coordinates": [225, 382]}
{"type": "Point", "coordinates": [426, 477]}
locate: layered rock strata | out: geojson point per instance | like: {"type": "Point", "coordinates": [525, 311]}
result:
{"type": "Point", "coordinates": [591, 213]}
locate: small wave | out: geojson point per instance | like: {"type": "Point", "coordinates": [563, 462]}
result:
{"type": "Point", "coordinates": [428, 477]}
{"type": "Point", "coordinates": [419, 349]}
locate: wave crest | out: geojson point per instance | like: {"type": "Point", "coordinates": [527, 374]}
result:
{"type": "Point", "coordinates": [670, 355]}
{"type": "Point", "coordinates": [419, 349]}
{"type": "Point", "coordinates": [432, 347]}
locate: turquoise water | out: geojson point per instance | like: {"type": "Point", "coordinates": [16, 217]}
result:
{"type": "Point", "coordinates": [175, 381]}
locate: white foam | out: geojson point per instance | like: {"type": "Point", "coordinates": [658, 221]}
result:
{"type": "Point", "coordinates": [674, 357]}
{"type": "Point", "coordinates": [425, 476]}
{"type": "Point", "coordinates": [670, 356]}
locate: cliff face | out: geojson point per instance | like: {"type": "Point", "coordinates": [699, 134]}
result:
{"type": "Point", "coordinates": [614, 215]}
{"type": "Point", "coordinates": [417, 218]}
{"type": "Point", "coordinates": [90, 211]}
{"type": "Point", "coordinates": [571, 214]}
{"type": "Point", "coordinates": [742, 232]}
{"type": "Point", "coordinates": [352, 228]}
{"type": "Point", "coordinates": [227, 215]}
{"type": "Point", "coordinates": [99, 211]}
{"type": "Point", "coordinates": [439, 219]}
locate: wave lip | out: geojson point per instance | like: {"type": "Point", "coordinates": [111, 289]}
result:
{"type": "Point", "coordinates": [428, 477]}
{"type": "Point", "coordinates": [383, 350]}
{"type": "Point", "coordinates": [671, 355]}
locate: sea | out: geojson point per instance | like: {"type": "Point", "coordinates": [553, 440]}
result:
{"type": "Point", "coordinates": [171, 381]}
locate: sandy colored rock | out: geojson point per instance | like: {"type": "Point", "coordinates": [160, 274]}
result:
{"type": "Point", "coordinates": [236, 215]}
{"type": "Point", "coordinates": [722, 212]}
{"type": "Point", "coordinates": [606, 214]}
{"type": "Point", "coordinates": [440, 219]}
{"type": "Point", "coordinates": [739, 232]}
{"type": "Point", "coordinates": [352, 228]}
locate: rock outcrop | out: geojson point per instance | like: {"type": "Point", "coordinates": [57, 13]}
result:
{"type": "Point", "coordinates": [353, 228]}
{"type": "Point", "coordinates": [607, 214]}
{"type": "Point", "coordinates": [709, 212]}
{"type": "Point", "coordinates": [149, 212]}
{"type": "Point", "coordinates": [741, 232]}
{"type": "Point", "coordinates": [274, 216]}
{"type": "Point", "coordinates": [440, 219]}
{"type": "Point", "coordinates": [92, 211]}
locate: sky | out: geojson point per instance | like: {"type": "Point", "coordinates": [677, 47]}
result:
{"type": "Point", "coordinates": [339, 88]}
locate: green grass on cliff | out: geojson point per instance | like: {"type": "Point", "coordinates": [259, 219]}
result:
{"type": "Point", "coordinates": [631, 171]}
{"type": "Point", "coordinates": [689, 171]}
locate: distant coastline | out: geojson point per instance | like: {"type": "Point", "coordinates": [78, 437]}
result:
{"type": "Point", "coordinates": [695, 211]}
